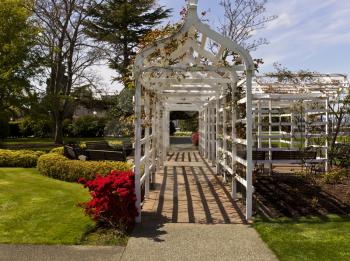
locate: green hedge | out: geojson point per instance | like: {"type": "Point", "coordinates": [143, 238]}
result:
{"type": "Point", "coordinates": [183, 133]}
{"type": "Point", "coordinates": [59, 167]}
{"type": "Point", "coordinates": [58, 150]}
{"type": "Point", "coordinates": [19, 158]}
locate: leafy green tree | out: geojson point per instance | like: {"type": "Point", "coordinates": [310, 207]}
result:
{"type": "Point", "coordinates": [121, 24]}
{"type": "Point", "coordinates": [18, 60]}
{"type": "Point", "coordinates": [68, 53]}
{"type": "Point", "coordinates": [121, 113]}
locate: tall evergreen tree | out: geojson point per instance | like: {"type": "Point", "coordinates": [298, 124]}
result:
{"type": "Point", "coordinates": [121, 24]}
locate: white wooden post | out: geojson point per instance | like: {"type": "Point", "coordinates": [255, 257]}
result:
{"type": "Point", "coordinates": [154, 141]}
{"type": "Point", "coordinates": [224, 127]}
{"type": "Point", "coordinates": [292, 130]}
{"type": "Point", "coordinates": [249, 138]}
{"type": "Point", "coordinates": [217, 107]}
{"type": "Point", "coordinates": [147, 144]}
{"type": "Point", "coordinates": [160, 135]}
{"type": "Point", "coordinates": [165, 133]}
{"type": "Point", "coordinates": [327, 133]}
{"type": "Point", "coordinates": [201, 132]}
{"type": "Point", "coordinates": [212, 133]}
{"type": "Point", "coordinates": [210, 120]}
{"type": "Point", "coordinates": [207, 149]}
{"type": "Point", "coordinates": [306, 126]}
{"type": "Point", "coordinates": [137, 168]}
{"type": "Point", "coordinates": [270, 133]}
{"type": "Point", "coordinates": [234, 145]}
{"type": "Point", "coordinates": [259, 125]}
{"type": "Point", "coordinates": [280, 130]}
{"type": "Point", "coordinates": [167, 140]}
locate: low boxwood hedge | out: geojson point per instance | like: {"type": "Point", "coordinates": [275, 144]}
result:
{"type": "Point", "coordinates": [57, 166]}
{"type": "Point", "coordinates": [58, 150]}
{"type": "Point", "coordinates": [19, 158]}
{"type": "Point", "coordinates": [183, 134]}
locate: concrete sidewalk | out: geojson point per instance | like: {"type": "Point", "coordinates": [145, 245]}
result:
{"type": "Point", "coordinates": [175, 241]}
{"type": "Point", "coordinates": [59, 253]}
{"type": "Point", "coordinates": [170, 241]}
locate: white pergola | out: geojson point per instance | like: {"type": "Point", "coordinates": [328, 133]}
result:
{"type": "Point", "coordinates": [189, 77]}
{"type": "Point", "coordinates": [188, 72]}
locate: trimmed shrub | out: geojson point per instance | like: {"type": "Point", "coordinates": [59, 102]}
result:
{"type": "Point", "coordinates": [116, 144]}
{"type": "Point", "coordinates": [58, 150]}
{"type": "Point", "coordinates": [183, 134]}
{"type": "Point", "coordinates": [113, 200]}
{"type": "Point", "coordinates": [57, 166]}
{"type": "Point", "coordinates": [19, 158]}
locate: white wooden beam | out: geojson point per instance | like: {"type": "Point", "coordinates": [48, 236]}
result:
{"type": "Point", "coordinates": [137, 169]}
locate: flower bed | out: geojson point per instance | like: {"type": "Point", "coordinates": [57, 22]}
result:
{"type": "Point", "coordinates": [57, 166]}
{"type": "Point", "coordinates": [19, 158]}
{"type": "Point", "coordinates": [113, 200]}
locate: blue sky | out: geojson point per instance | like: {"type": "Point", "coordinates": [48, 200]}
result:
{"type": "Point", "coordinates": [308, 34]}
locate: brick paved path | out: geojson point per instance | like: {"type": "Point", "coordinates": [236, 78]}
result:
{"type": "Point", "coordinates": [188, 191]}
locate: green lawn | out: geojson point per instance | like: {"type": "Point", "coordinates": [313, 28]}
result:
{"type": "Point", "coordinates": [39, 210]}
{"type": "Point", "coordinates": [307, 238]}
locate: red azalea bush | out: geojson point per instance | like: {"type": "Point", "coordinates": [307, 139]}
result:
{"type": "Point", "coordinates": [195, 138]}
{"type": "Point", "coordinates": [113, 199]}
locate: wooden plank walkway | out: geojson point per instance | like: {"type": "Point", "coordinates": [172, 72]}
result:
{"type": "Point", "coordinates": [188, 191]}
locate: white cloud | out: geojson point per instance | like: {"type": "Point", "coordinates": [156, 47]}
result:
{"type": "Point", "coordinates": [305, 31]}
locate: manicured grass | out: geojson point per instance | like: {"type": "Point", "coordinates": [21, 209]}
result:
{"type": "Point", "coordinates": [38, 210]}
{"type": "Point", "coordinates": [325, 238]}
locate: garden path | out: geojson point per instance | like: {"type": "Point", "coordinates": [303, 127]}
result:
{"type": "Point", "coordinates": [188, 191]}
{"type": "Point", "coordinates": [191, 216]}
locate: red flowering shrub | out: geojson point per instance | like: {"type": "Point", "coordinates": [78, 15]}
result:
{"type": "Point", "coordinates": [195, 138]}
{"type": "Point", "coordinates": [113, 199]}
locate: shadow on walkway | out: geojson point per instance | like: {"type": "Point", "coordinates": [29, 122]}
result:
{"type": "Point", "coordinates": [188, 191]}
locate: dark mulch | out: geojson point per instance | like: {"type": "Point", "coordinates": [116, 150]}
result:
{"type": "Point", "coordinates": [294, 196]}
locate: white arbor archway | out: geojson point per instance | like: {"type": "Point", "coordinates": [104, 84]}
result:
{"type": "Point", "coordinates": [188, 71]}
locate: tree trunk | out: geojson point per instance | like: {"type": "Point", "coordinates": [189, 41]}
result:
{"type": "Point", "coordinates": [59, 129]}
